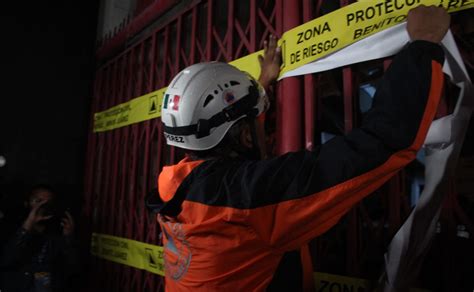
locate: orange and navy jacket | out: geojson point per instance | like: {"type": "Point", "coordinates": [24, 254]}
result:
{"type": "Point", "coordinates": [228, 223]}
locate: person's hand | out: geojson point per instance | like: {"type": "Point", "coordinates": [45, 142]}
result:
{"type": "Point", "coordinates": [270, 62]}
{"type": "Point", "coordinates": [36, 215]}
{"type": "Point", "coordinates": [428, 23]}
{"type": "Point", "coordinates": [68, 224]}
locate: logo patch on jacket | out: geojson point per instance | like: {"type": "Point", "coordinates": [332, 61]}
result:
{"type": "Point", "coordinates": [177, 255]}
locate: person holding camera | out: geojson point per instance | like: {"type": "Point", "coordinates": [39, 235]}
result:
{"type": "Point", "coordinates": [42, 255]}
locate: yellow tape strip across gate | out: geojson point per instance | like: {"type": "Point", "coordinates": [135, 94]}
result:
{"type": "Point", "coordinates": [300, 45]}
{"type": "Point", "coordinates": [149, 257]}
{"type": "Point", "coordinates": [129, 252]}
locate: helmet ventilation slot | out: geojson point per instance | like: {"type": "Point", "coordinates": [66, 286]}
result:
{"type": "Point", "coordinates": [208, 99]}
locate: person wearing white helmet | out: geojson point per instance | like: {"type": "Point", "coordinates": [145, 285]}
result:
{"type": "Point", "coordinates": [229, 219]}
{"type": "Point", "coordinates": [205, 100]}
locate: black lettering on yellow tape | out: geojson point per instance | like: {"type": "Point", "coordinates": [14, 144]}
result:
{"type": "Point", "coordinates": [378, 10]}
{"type": "Point", "coordinates": [313, 32]}
{"type": "Point", "coordinates": [313, 50]}
{"type": "Point", "coordinates": [129, 252]}
{"type": "Point", "coordinates": [360, 32]}
{"type": "Point", "coordinates": [455, 4]}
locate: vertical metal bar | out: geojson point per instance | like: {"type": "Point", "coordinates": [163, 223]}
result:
{"type": "Point", "coordinates": [165, 73]}
{"type": "Point", "coordinates": [253, 26]}
{"type": "Point", "coordinates": [142, 156]}
{"type": "Point", "coordinates": [134, 195]}
{"type": "Point", "coordinates": [353, 226]}
{"type": "Point", "coordinates": [309, 120]}
{"type": "Point", "coordinates": [126, 218]}
{"type": "Point", "coordinates": [194, 25]}
{"type": "Point", "coordinates": [157, 76]}
{"type": "Point", "coordinates": [115, 137]}
{"type": "Point", "coordinates": [112, 181]}
{"type": "Point", "coordinates": [179, 30]}
{"type": "Point", "coordinates": [143, 135]}
{"type": "Point", "coordinates": [309, 92]}
{"type": "Point", "coordinates": [348, 82]}
{"type": "Point", "coordinates": [344, 2]}
{"type": "Point", "coordinates": [230, 29]}
{"type": "Point", "coordinates": [122, 211]}
{"type": "Point", "coordinates": [209, 31]}
{"type": "Point", "coordinates": [279, 16]}
{"type": "Point", "coordinates": [151, 71]}
{"type": "Point", "coordinates": [105, 159]}
{"type": "Point", "coordinates": [132, 198]}
{"type": "Point", "coordinates": [152, 129]}
{"type": "Point", "coordinates": [289, 102]}
{"type": "Point", "coordinates": [172, 152]}
{"type": "Point", "coordinates": [158, 124]}
{"type": "Point", "coordinates": [166, 54]}
{"type": "Point", "coordinates": [318, 7]}
{"type": "Point", "coordinates": [289, 112]}
{"type": "Point", "coordinates": [103, 189]}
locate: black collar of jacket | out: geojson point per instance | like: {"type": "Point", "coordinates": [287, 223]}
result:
{"type": "Point", "coordinates": [172, 208]}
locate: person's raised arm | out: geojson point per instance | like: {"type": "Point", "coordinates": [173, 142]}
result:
{"type": "Point", "coordinates": [296, 197]}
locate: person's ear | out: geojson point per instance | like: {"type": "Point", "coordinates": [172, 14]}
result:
{"type": "Point", "coordinates": [246, 136]}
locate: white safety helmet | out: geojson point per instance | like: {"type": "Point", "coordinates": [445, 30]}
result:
{"type": "Point", "coordinates": [204, 100]}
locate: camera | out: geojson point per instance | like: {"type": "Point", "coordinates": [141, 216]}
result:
{"type": "Point", "coordinates": [57, 210]}
{"type": "Point", "coordinates": [52, 208]}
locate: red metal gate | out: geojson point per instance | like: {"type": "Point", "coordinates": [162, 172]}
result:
{"type": "Point", "coordinates": [122, 164]}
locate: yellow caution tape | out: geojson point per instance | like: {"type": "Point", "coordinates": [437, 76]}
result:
{"type": "Point", "coordinates": [149, 257]}
{"type": "Point", "coordinates": [129, 252]}
{"type": "Point", "coordinates": [301, 45]}
{"type": "Point", "coordinates": [340, 28]}
{"type": "Point", "coordinates": [329, 282]}
{"type": "Point", "coordinates": [249, 63]}
{"type": "Point", "coordinates": [143, 108]}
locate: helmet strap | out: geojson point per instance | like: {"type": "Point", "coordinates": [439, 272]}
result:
{"type": "Point", "coordinates": [244, 106]}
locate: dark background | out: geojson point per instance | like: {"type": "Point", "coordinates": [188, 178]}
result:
{"type": "Point", "coordinates": [47, 65]}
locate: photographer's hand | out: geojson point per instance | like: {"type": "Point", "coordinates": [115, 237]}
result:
{"type": "Point", "coordinates": [36, 215]}
{"type": "Point", "coordinates": [68, 224]}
